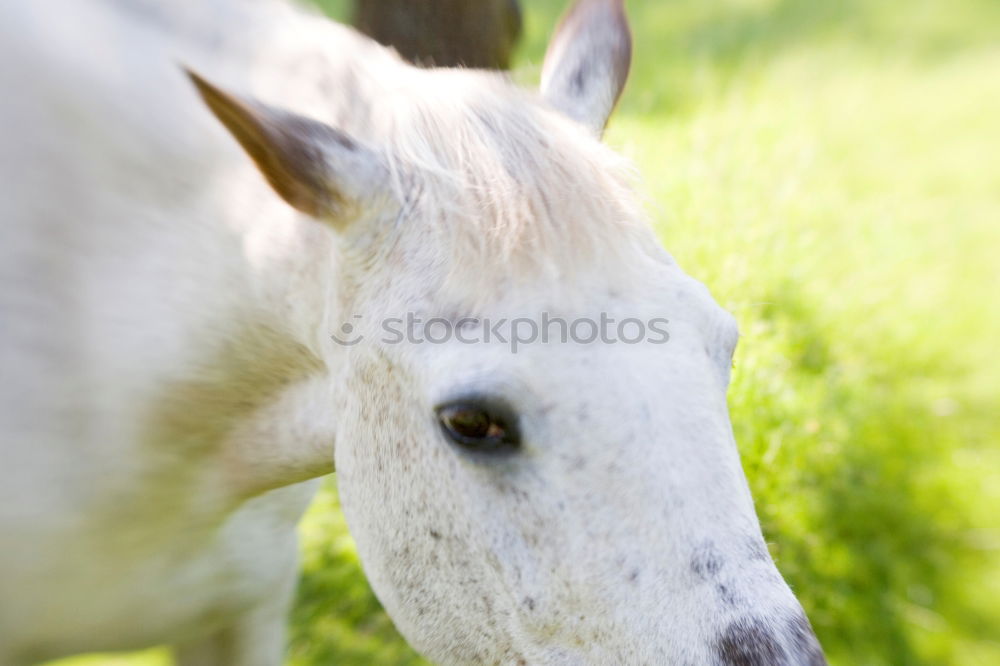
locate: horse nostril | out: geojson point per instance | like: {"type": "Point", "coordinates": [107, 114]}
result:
{"type": "Point", "coordinates": [807, 649]}
{"type": "Point", "coordinates": [749, 642]}
{"type": "Point", "coordinates": [752, 642]}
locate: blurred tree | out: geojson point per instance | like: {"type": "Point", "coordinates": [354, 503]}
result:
{"type": "Point", "coordinates": [444, 33]}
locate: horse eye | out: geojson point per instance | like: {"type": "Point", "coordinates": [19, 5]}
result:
{"type": "Point", "coordinates": [478, 427]}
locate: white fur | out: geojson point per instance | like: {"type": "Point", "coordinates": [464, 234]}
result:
{"type": "Point", "coordinates": [170, 388]}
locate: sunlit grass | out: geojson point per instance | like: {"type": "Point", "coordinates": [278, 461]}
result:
{"type": "Point", "coordinates": [831, 170]}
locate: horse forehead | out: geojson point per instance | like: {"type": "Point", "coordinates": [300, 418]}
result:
{"type": "Point", "coordinates": [645, 291]}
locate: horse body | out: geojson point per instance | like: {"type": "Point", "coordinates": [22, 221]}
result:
{"type": "Point", "coordinates": [173, 391]}
{"type": "Point", "coordinates": [150, 346]}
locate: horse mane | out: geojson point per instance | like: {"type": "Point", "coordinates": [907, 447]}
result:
{"type": "Point", "coordinates": [511, 185]}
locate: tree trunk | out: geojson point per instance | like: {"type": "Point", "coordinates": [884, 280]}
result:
{"type": "Point", "coordinates": [444, 33]}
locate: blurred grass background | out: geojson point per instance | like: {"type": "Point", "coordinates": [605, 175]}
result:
{"type": "Point", "coordinates": [831, 170]}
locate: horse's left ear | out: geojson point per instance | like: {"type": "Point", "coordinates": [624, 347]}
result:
{"type": "Point", "coordinates": [587, 61]}
{"type": "Point", "coordinates": [314, 167]}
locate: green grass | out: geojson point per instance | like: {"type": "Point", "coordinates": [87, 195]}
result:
{"type": "Point", "coordinates": [831, 170]}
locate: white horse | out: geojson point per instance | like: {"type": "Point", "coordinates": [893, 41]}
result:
{"type": "Point", "coordinates": [171, 389]}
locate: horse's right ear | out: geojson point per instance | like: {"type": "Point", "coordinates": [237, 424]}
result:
{"type": "Point", "coordinates": [587, 62]}
{"type": "Point", "coordinates": [314, 167]}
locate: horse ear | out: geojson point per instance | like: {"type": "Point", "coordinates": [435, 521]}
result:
{"type": "Point", "coordinates": [314, 167]}
{"type": "Point", "coordinates": [587, 61]}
